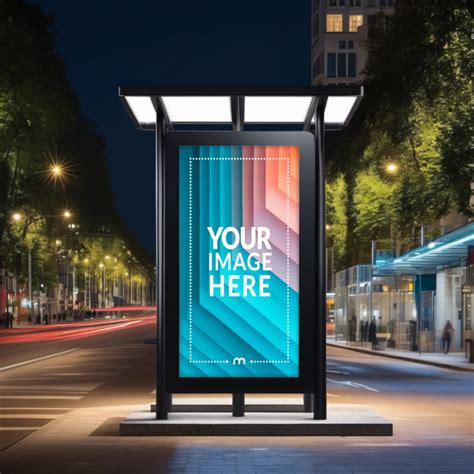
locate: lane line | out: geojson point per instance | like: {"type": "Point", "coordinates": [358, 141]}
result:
{"type": "Point", "coordinates": [18, 428]}
{"type": "Point", "coordinates": [31, 361]}
{"type": "Point", "coordinates": [40, 397]}
{"type": "Point", "coordinates": [35, 408]}
{"type": "Point", "coordinates": [354, 384]}
{"type": "Point", "coordinates": [337, 372]}
{"type": "Point", "coordinates": [78, 387]}
{"type": "Point", "coordinates": [32, 416]}
{"type": "Point", "coordinates": [17, 379]}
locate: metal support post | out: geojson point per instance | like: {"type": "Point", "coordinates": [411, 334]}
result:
{"type": "Point", "coordinates": [238, 404]}
{"type": "Point", "coordinates": [162, 400]}
{"type": "Point", "coordinates": [320, 402]}
{"type": "Point", "coordinates": [30, 287]}
{"type": "Point", "coordinates": [237, 103]}
{"type": "Point", "coordinates": [308, 402]}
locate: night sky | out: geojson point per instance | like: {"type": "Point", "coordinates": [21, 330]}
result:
{"type": "Point", "coordinates": [107, 43]}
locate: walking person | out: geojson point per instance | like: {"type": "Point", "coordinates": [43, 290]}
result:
{"type": "Point", "coordinates": [9, 320]}
{"type": "Point", "coordinates": [447, 335]}
{"type": "Point", "coordinates": [373, 334]}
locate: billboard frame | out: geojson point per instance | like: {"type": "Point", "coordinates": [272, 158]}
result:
{"type": "Point", "coordinates": [305, 381]}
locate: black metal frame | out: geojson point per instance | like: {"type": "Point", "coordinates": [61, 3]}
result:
{"type": "Point", "coordinates": [305, 381]}
{"type": "Point", "coordinates": [317, 378]}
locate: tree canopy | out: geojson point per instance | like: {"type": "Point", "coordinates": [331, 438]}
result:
{"type": "Point", "coordinates": [42, 131]}
{"type": "Point", "coordinates": [416, 116]}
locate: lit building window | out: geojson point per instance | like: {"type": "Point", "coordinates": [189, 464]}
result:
{"type": "Point", "coordinates": [334, 23]}
{"type": "Point", "coordinates": [354, 22]}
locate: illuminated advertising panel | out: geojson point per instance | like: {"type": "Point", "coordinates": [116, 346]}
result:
{"type": "Point", "coordinates": [239, 261]}
{"type": "Point", "coordinates": [239, 214]}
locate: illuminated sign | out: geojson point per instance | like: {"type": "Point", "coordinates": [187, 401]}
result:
{"type": "Point", "coordinates": [239, 211]}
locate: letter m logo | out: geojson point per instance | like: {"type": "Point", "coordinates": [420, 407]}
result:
{"type": "Point", "coordinates": [238, 361]}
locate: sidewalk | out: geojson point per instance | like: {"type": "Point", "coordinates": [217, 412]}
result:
{"type": "Point", "coordinates": [453, 360]}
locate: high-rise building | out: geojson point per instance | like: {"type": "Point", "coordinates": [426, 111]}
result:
{"type": "Point", "coordinates": [340, 29]}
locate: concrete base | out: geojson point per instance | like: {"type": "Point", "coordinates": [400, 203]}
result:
{"type": "Point", "coordinates": [343, 420]}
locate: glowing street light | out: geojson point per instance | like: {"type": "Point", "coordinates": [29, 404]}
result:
{"type": "Point", "coordinates": [67, 214]}
{"type": "Point", "coordinates": [56, 170]}
{"type": "Point", "coordinates": [17, 217]}
{"type": "Point", "coordinates": [391, 168]}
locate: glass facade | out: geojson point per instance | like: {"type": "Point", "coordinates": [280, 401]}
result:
{"type": "Point", "coordinates": [410, 311]}
{"type": "Point", "coordinates": [388, 299]}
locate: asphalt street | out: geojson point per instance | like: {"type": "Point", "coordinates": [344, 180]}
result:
{"type": "Point", "coordinates": [63, 396]}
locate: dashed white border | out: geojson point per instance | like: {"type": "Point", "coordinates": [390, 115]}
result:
{"type": "Point", "coordinates": [252, 361]}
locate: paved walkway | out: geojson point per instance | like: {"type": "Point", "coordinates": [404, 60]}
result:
{"type": "Point", "coordinates": [453, 360]}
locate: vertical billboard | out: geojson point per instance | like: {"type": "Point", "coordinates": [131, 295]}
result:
{"type": "Point", "coordinates": [239, 211]}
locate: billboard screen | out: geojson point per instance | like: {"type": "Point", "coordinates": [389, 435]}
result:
{"type": "Point", "coordinates": [239, 210]}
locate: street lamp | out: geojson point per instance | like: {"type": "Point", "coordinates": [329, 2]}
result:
{"type": "Point", "coordinates": [56, 170]}
{"type": "Point", "coordinates": [391, 168]}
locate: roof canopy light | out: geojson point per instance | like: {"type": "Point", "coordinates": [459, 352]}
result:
{"type": "Point", "coordinates": [339, 108]}
{"type": "Point", "coordinates": [276, 109]}
{"type": "Point", "coordinates": [142, 108]}
{"type": "Point", "coordinates": [261, 105]}
{"type": "Point", "coordinates": [199, 109]}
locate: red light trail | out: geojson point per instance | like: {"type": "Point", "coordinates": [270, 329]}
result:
{"type": "Point", "coordinates": [73, 330]}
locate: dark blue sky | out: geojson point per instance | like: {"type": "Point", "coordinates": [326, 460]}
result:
{"type": "Point", "coordinates": [107, 43]}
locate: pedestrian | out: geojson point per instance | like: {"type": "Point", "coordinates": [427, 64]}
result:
{"type": "Point", "coordinates": [353, 328]}
{"type": "Point", "coordinates": [447, 334]}
{"type": "Point", "coordinates": [3, 318]}
{"type": "Point", "coordinates": [373, 334]}
{"type": "Point", "coordinates": [10, 320]}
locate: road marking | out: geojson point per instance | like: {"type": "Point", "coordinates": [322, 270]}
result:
{"type": "Point", "coordinates": [17, 379]}
{"type": "Point", "coordinates": [77, 374]}
{"type": "Point", "coordinates": [74, 387]}
{"type": "Point", "coordinates": [337, 372]}
{"type": "Point", "coordinates": [31, 361]}
{"type": "Point", "coordinates": [32, 416]}
{"type": "Point", "coordinates": [18, 428]}
{"type": "Point", "coordinates": [354, 384]}
{"type": "Point", "coordinates": [333, 395]}
{"type": "Point", "coordinates": [40, 397]}
{"type": "Point", "coordinates": [35, 408]}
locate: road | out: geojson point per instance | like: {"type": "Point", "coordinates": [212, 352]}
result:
{"type": "Point", "coordinates": [61, 413]}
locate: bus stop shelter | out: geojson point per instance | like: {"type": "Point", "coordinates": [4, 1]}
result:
{"type": "Point", "coordinates": [239, 110]}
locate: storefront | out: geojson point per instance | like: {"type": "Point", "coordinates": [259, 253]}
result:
{"type": "Point", "coordinates": [412, 297]}
{"type": "Point", "coordinates": [389, 299]}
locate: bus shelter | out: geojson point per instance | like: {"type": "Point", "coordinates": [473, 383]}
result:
{"type": "Point", "coordinates": [240, 237]}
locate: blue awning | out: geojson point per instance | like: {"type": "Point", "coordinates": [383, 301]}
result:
{"type": "Point", "coordinates": [450, 250]}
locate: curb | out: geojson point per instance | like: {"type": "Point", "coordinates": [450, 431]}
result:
{"type": "Point", "coordinates": [407, 359]}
